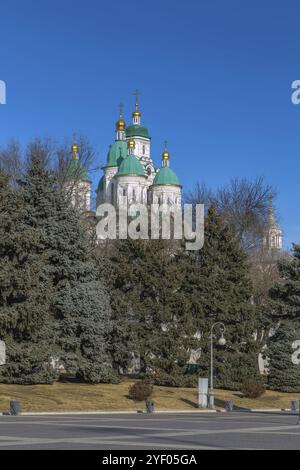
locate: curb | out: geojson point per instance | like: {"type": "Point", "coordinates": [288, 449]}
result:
{"type": "Point", "coordinates": [266, 410]}
{"type": "Point", "coordinates": [134, 412]}
{"type": "Point", "coordinates": [127, 412]}
{"type": "Point", "coordinates": [271, 410]}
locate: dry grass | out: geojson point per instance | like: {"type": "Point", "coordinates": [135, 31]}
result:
{"type": "Point", "coordinates": [83, 397]}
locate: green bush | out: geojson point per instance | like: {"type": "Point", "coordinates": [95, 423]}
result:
{"type": "Point", "coordinates": [253, 389]}
{"type": "Point", "coordinates": [140, 391]}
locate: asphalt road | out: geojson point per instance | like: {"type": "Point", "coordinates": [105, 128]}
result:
{"type": "Point", "coordinates": [159, 432]}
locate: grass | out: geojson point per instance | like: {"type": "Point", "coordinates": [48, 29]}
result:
{"type": "Point", "coordinates": [106, 397]}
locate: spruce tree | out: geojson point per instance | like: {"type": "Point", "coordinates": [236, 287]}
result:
{"type": "Point", "coordinates": [151, 309]}
{"type": "Point", "coordinates": [284, 353]}
{"type": "Point", "coordinates": [284, 375]}
{"type": "Point", "coordinates": [80, 303]}
{"type": "Point", "coordinates": [167, 299]}
{"type": "Point", "coordinates": [110, 262]}
{"type": "Point", "coordinates": [25, 293]}
{"type": "Point", "coordinates": [224, 295]}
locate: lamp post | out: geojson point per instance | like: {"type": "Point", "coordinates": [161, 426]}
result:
{"type": "Point", "coordinates": [222, 342]}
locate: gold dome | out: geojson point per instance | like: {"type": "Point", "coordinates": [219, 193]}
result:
{"type": "Point", "coordinates": [131, 144]}
{"type": "Point", "coordinates": [136, 114]}
{"type": "Point", "coordinates": [165, 155]}
{"type": "Point", "coordinates": [74, 149]}
{"type": "Point", "coordinates": [120, 125]}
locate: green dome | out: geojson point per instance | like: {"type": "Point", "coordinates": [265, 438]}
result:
{"type": "Point", "coordinates": [76, 171]}
{"type": "Point", "coordinates": [117, 153]}
{"type": "Point", "coordinates": [131, 166]}
{"type": "Point", "coordinates": [137, 131]}
{"type": "Point", "coordinates": [166, 176]}
{"type": "Point", "coordinates": [100, 185]}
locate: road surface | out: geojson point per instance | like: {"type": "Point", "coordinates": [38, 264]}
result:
{"type": "Point", "coordinates": [187, 431]}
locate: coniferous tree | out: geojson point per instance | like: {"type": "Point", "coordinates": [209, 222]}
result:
{"type": "Point", "coordinates": [121, 338]}
{"type": "Point", "coordinates": [80, 303]}
{"type": "Point", "coordinates": [151, 309]}
{"type": "Point", "coordinates": [284, 358]}
{"type": "Point", "coordinates": [224, 295]}
{"type": "Point", "coordinates": [284, 373]}
{"type": "Point", "coordinates": [168, 299]}
{"type": "Point", "coordinates": [25, 293]}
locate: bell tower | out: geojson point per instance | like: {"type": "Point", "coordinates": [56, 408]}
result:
{"type": "Point", "coordinates": [273, 239]}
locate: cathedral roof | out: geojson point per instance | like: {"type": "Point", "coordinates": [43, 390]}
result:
{"type": "Point", "coordinates": [131, 166]}
{"type": "Point", "coordinates": [137, 131]}
{"type": "Point", "coordinates": [116, 153]}
{"type": "Point", "coordinates": [76, 171]}
{"type": "Point", "coordinates": [166, 176]}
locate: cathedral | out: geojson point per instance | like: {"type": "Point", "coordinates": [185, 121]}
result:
{"type": "Point", "coordinates": [129, 173]}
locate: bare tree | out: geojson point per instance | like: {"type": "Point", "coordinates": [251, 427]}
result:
{"type": "Point", "coordinates": [43, 149]}
{"type": "Point", "coordinates": [11, 161]}
{"type": "Point", "coordinates": [86, 156]}
{"type": "Point", "coordinates": [200, 195]}
{"type": "Point", "coordinates": [243, 204]}
{"type": "Point", "coordinates": [56, 156]}
{"type": "Point", "coordinates": [63, 157]}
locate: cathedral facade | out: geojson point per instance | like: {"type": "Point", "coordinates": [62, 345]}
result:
{"type": "Point", "coordinates": [129, 170]}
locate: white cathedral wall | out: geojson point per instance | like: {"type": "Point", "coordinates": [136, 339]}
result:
{"type": "Point", "coordinates": [275, 239]}
{"type": "Point", "coordinates": [133, 187]}
{"type": "Point", "coordinates": [166, 194]}
{"type": "Point", "coordinates": [142, 147]}
{"type": "Point", "coordinates": [109, 173]}
{"type": "Point", "coordinates": [109, 184]}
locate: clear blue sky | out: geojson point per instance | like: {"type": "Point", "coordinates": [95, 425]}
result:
{"type": "Point", "coordinates": [214, 77]}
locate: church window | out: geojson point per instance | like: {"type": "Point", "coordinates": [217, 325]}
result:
{"type": "Point", "coordinates": [144, 149]}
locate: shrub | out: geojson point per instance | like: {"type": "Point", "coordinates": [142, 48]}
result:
{"type": "Point", "coordinates": [167, 380]}
{"type": "Point", "coordinates": [253, 389]}
{"type": "Point", "coordinates": [140, 391]}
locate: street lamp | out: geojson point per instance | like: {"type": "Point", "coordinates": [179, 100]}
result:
{"type": "Point", "coordinates": [222, 342]}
